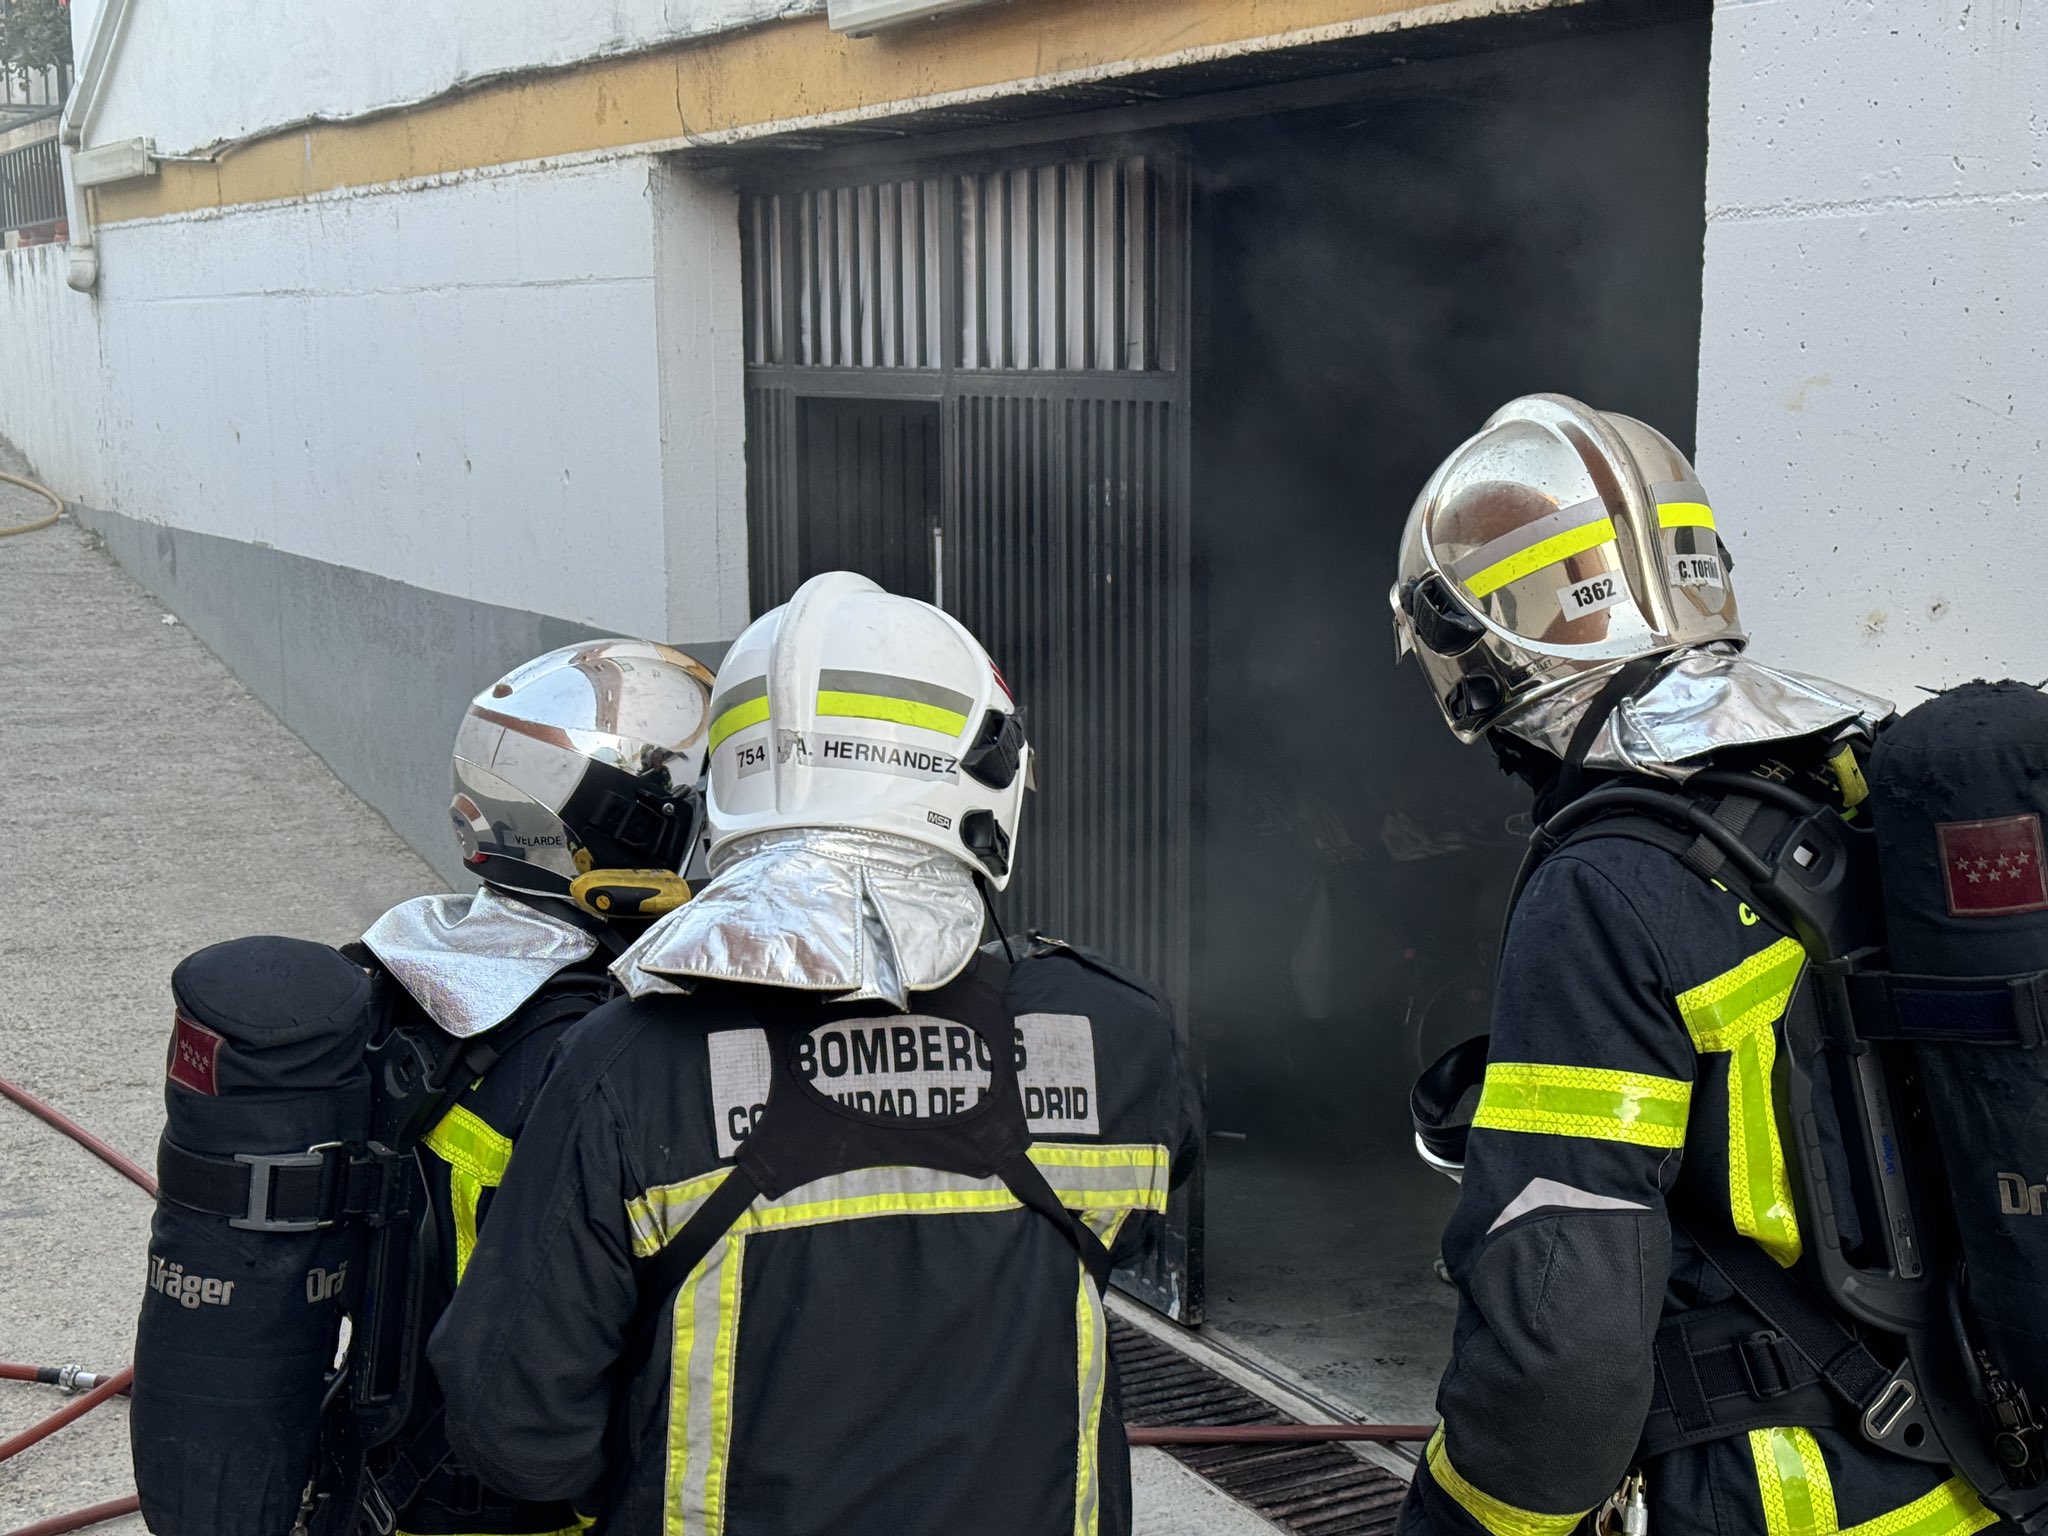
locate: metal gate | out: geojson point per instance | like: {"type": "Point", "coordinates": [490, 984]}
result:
{"type": "Point", "coordinates": [1035, 314]}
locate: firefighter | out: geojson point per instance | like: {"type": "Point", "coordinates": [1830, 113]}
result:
{"type": "Point", "coordinates": [1564, 585]}
{"type": "Point", "coordinates": [576, 804]}
{"type": "Point", "coordinates": [808, 1234]}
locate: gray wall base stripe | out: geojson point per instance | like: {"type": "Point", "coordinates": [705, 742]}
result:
{"type": "Point", "coordinates": [371, 673]}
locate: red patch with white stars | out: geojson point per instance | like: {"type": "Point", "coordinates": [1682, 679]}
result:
{"type": "Point", "coordinates": [1993, 868]}
{"type": "Point", "coordinates": [195, 1054]}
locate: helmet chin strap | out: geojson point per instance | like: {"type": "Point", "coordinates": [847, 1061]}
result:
{"type": "Point", "coordinates": [988, 902]}
{"type": "Point", "coordinates": [1571, 778]}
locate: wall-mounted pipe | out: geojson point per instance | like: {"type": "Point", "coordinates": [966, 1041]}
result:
{"type": "Point", "coordinates": [101, 49]}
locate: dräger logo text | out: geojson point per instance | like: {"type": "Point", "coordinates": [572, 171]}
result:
{"type": "Point", "coordinates": [189, 1291]}
{"type": "Point", "coordinates": [2017, 1197]}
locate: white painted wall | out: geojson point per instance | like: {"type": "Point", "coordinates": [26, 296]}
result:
{"type": "Point", "coordinates": [1874, 356]}
{"type": "Point", "coordinates": [194, 76]}
{"type": "Point", "coordinates": [464, 387]}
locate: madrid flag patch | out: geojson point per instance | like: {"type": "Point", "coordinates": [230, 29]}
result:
{"type": "Point", "coordinates": [1993, 868]}
{"type": "Point", "coordinates": [195, 1057]}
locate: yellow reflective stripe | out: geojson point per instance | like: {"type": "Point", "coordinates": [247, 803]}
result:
{"type": "Point", "coordinates": [463, 1139]}
{"type": "Point", "coordinates": [466, 1196]}
{"type": "Point", "coordinates": [875, 706]}
{"type": "Point", "coordinates": [1792, 1480]}
{"type": "Point", "coordinates": [701, 1372]}
{"type": "Point", "coordinates": [1748, 998]}
{"type": "Point", "coordinates": [1953, 1509]}
{"type": "Point", "coordinates": [684, 1315]}
{"type": "Point", "coordinates": [738, 718]}
{"type": "Point", "coordinates": [1684, 514]}
{"type": "Point", "coordinates": [1559, 546]}
{"type": "Point", "coordinates": [1589, 1102]}
{"type": "Point", "coordinates": [1090, 1374]}
{"type": "Point", "coordinates": [723, 1354]}
{"type": "Point", "coordinates": [659, 1214]}
{"type": "Point", "coordinates": [476, 1156]}
{"type": "Point", "coordinates": [1095, 1180]}
{"type": "Point", "coordinates": [1737, 1012]}
{"type": "Point", "coordinates": [1501, 1518]}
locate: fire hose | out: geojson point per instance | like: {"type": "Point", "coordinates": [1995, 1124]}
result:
{"type": "Point", "coordinates": [104, 1388]}
{"type": "Point", "coordinates": [1266, 1434]}
{"type": "Point", "coordinates": [42, 522]}
{"type": "Point", "coordinates": [107, 1387]}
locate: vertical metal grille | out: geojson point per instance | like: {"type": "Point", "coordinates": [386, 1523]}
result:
{"type": "Point", "coordinates": [1072, 568]}
{"type": "Point", "coordinates": [865, 272]}
{"type": "Point", "coordinates": [771, 474]}
{"type": "Point", "coordinates": [1060, 266]}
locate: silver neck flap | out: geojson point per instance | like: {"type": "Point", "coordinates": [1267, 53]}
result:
{"type": "Point", "coordinates": [857, 914]}
{"type": "Point", "coordinates": [470, 961]}
{"type": "Point", "coordinates": [1704, 700]}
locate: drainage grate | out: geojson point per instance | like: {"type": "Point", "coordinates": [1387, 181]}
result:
{"type": "Point", "coordinates": [1317, 1490]}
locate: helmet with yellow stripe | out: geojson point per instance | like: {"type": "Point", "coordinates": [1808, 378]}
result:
{"type": "Point", "coordinates": [1558, 543]}
{"type": "Point", "coordinates": [851, 708]}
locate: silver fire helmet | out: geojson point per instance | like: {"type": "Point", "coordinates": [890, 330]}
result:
{"type": "Point", "coordinates": [585, 759]}
{"type": "Point", "coordinates": [1552, 548]}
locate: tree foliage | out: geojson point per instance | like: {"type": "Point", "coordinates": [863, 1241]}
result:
{"type": "Point", "coordinates": [35, 34]}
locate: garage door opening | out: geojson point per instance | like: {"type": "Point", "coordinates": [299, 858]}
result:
{"type": "Point", "coordinates": [1371, 283]}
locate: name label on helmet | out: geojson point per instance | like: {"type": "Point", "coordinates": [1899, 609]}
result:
{"type": "Point", "coordinates": [818, 749]}
{"type": "Point", "coordinates": [1594, 596]}
{"type": "Point", "coordinates": [912, 1067]}
{"type": "Point", "coordinates": [1696, 571]}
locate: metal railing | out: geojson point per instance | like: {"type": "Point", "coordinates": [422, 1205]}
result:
{"type": "Point", "coordinates": [31, 187]}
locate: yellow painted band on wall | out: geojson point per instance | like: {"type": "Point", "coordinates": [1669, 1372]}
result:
{"type": "Point", "coordinates": [1588, 1102]}
{"type": "Point", "coordinates": [1684, 514]}
{"type": "Point", "coordinates": [778, 76]}
{"type": "Point", "coordinates": [738, 718]}
{"type": "Point", "coordinates": [873, 706]}
{"type": "Point", "coordinates": [1559, 546]}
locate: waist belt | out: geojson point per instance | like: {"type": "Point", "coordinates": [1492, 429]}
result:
{"type": "Point", "coordinates": [288, 1191]}
{"type": "Point", "coordinates": [1721, 1372]}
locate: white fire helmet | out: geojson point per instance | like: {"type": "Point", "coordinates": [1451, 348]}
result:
{"type": "Point", "coordinates": [1556, 544]}
{"type": "Point", "coordinates": [584, 760]}
{"type": "Point", "coordinates": [849, 707]}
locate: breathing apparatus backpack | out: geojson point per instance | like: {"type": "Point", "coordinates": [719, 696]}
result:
{"type": "Point", "coordinates": [1915, 1084]}
{"type": "Point", "coordinates": [280, 1333]}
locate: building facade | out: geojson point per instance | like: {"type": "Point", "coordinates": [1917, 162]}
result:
{"type": "Point", "coordinates": [407, 344]}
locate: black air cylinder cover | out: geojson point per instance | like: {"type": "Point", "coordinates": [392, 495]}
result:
{"type": "Point", "coordinates": [1959, 791]}
{"type": "Point", "coordinates": [239, 1327]}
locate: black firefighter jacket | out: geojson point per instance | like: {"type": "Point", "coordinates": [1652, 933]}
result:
{"type": "Point", "coordinates": [1635, 1030]}
{"type": "Point", "coordinates": [889, 1352]}
{"type": "Point", "coordinates": [463, 1157]}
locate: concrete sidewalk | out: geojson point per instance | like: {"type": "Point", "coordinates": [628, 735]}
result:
{"type": "Point", "coordinates": [153, 806]}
